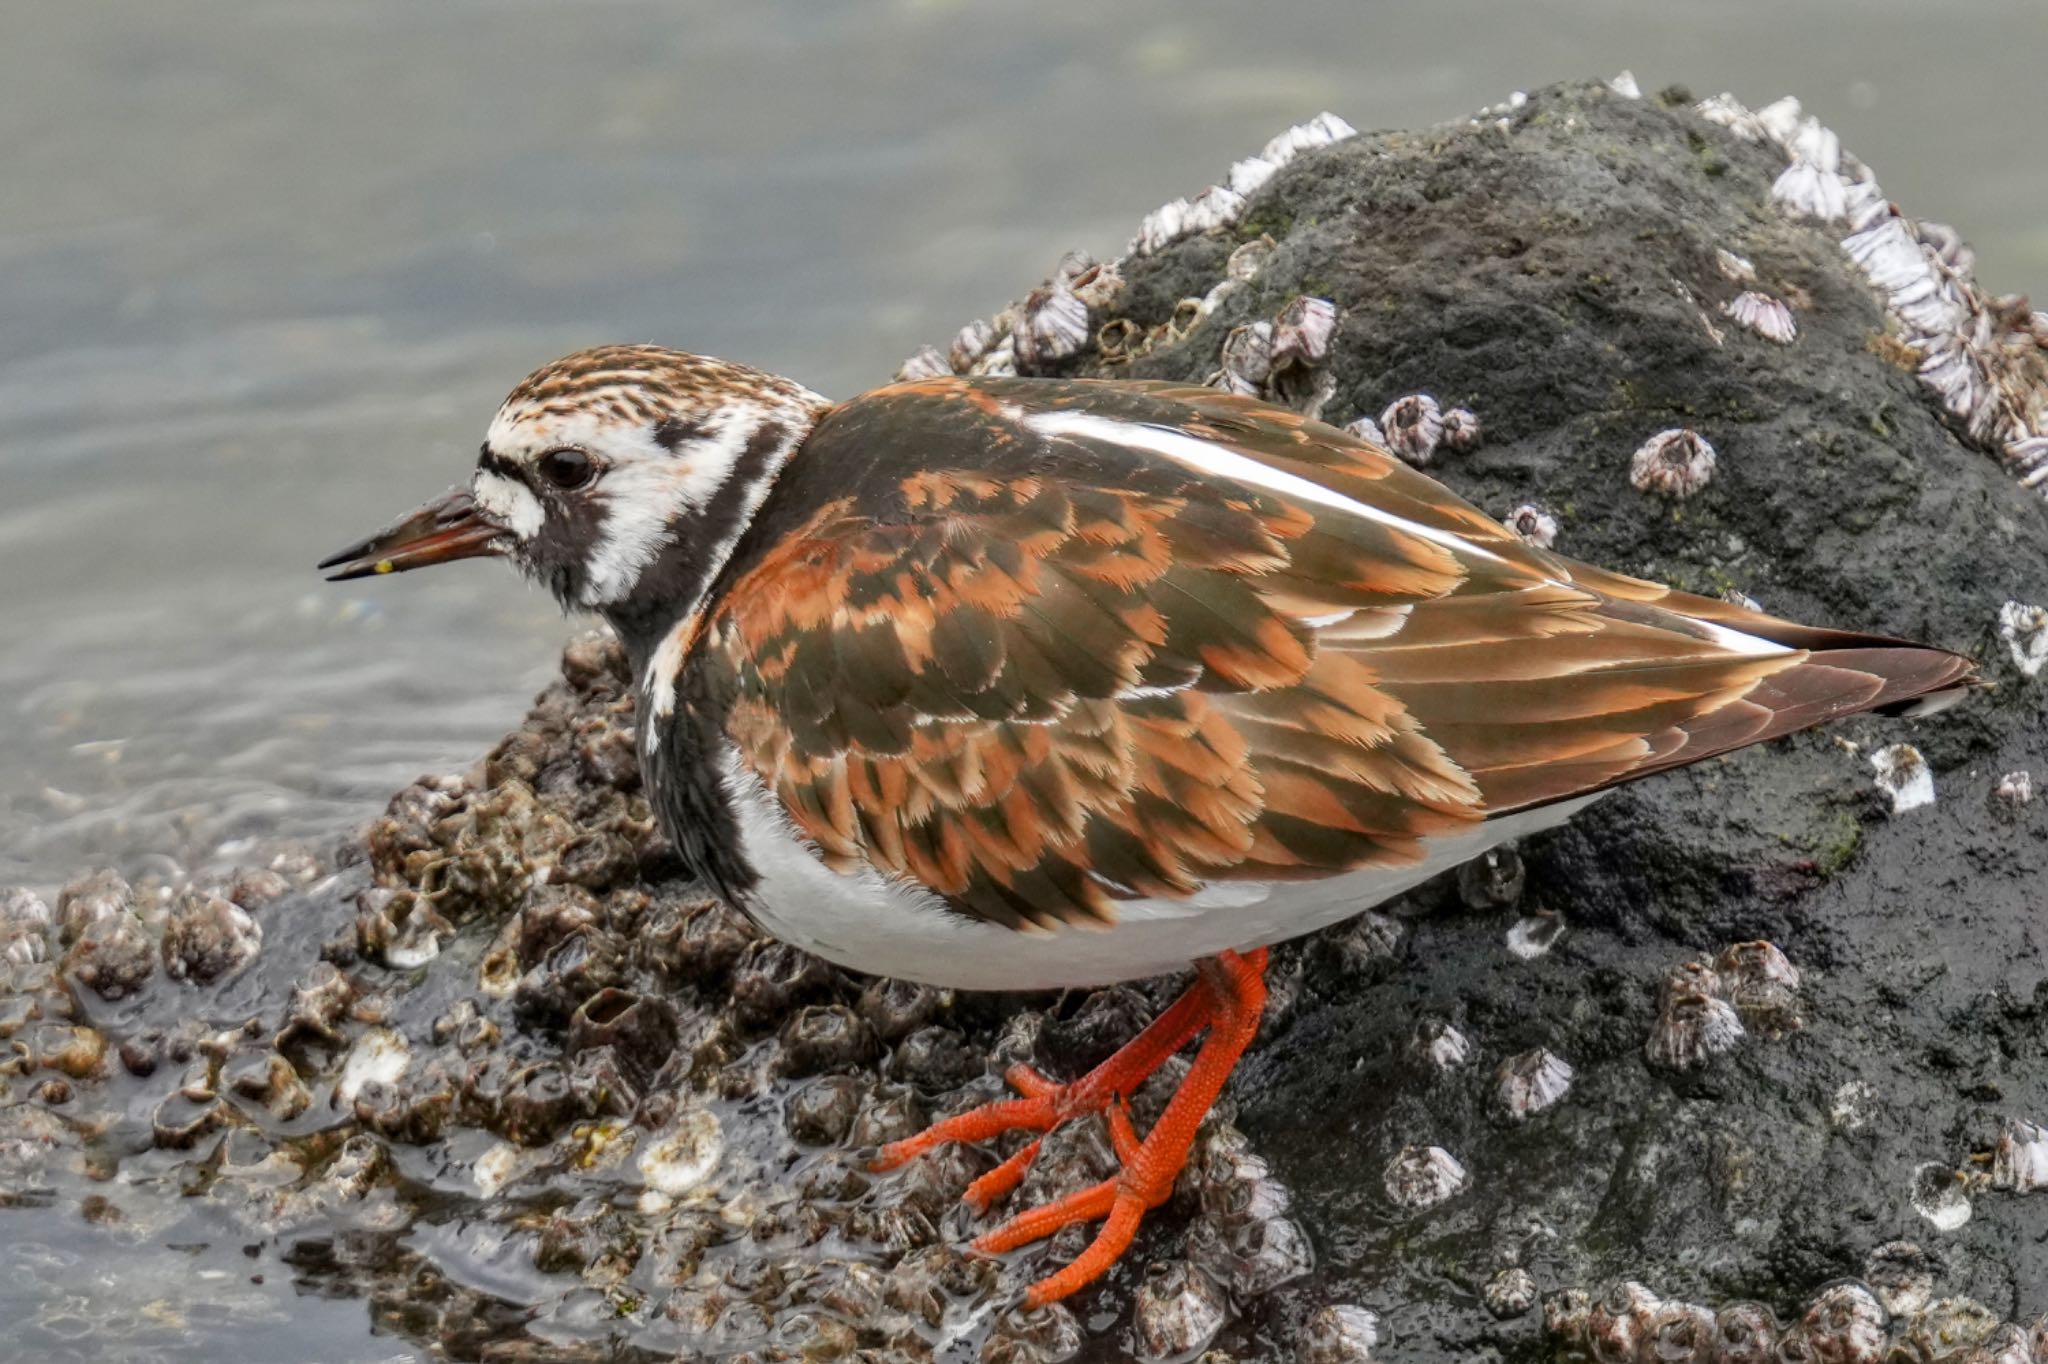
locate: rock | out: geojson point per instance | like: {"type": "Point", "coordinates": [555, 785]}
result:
{"type": "Point", "coordinates": [504, 1033]}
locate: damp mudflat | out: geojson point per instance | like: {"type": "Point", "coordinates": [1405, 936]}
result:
{"type": "Point", "coordinates": [266, 268]}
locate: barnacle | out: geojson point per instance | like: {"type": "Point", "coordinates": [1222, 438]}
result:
{"type": "Point", "coordinates": [1528, 1083]}
{"type": "Point", "coordinates": [1768, 317]}
{"type": "Point", "coordinates": [1414, 426]}
{"type": "Point", "coordinates": [1535, 525]}
{"type": "Point", "coordinates": [2024, 629]}
{"type": "Point", "coordinates": [1904, 776]}
{"type": "Point", "coordinates": [1421, 1177]}
{"type": "Point", "coordinates": [1677, 463]}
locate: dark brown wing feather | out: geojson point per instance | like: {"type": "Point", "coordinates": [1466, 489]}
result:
{"type": "Point", "coordinates": [1040, 675]}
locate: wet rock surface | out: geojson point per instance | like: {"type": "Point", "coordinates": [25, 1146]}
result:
{"type": "Point", "coordinates": [1740, 1061]}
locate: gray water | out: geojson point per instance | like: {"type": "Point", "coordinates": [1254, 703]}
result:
{"type": "Point", "coordinates": [266, 268]}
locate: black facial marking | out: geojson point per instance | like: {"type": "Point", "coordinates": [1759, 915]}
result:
{"type": "Point", "coordinates": [673, 432]}
{"type": "Point", "coordinates": [491, 462]}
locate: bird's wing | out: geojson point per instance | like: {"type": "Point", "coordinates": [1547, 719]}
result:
{"type": "Point", "coordinates": [1078, 643]}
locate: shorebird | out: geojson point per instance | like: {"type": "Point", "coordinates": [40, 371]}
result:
{"type": "Point", "coordinates": [1017, 683]}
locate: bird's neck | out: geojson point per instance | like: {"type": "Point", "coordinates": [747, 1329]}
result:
{"type": "Point", "coordinates": [699, 541]}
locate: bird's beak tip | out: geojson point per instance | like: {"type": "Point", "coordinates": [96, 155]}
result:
{"type": "Point", "coordinates": [448, 528]}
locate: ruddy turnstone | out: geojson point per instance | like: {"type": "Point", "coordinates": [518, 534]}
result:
{"type": "Point", "coordinates": [1013, 683]}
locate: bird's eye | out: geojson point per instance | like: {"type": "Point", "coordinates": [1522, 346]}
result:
{"type": "Point", "coordinates": [566, 469]}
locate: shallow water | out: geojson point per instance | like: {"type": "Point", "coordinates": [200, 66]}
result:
{"type": "Point", "coordinates": [266, 268]}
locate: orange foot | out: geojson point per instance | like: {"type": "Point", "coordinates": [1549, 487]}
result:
{"type": "Point", "coordinates": [1227, 998]}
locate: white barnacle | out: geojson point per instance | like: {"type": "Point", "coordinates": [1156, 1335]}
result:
{"type": "Point", "coordinates": [1734, 267]}
{"type": "Point", "coordinates": [1249, 175]}
{"type": "Point", "coordinates": [1421, 1177]}
{"type": "Point", "coordinates": [1812, 191]}
{"type": "Point", "coordinates": [1247, 358]}
{"type": "Point", "coordinates": [2015, 788]}
{"type": "Point", "coordinates": [1319, 131]}
{"type": "Point", "coordinates": [1904, 776]}
{"type": "Point", "coordinates": [1692, 1027]}
{"type": "Point", "coordinates": [1162, 226]}
{"type": "Point", "coordinates": [1533, 935]}
{"type": "Point", "coordinates": [1762, 985]}
{"type": "Point", "coordinates": [686, 1155]}
{"type": "Point", "coordinates": [1440, 1044]}
{"type": "Point", "coordinates": [1303, 330]}
{"type": "Point", "coordinates": [1766, 316]}
{"type": "Point", "coordinates": [1366, 429]}
{"type": "Point", "coordinates": [1731, 113]}
{"type": "Point", "coordinates": [1528, 1083]}
{"type": "Point", "coordinates": [928, 363]}
{"type": "Point", "coordinates": [1414, 427]}
{"type": "Point", "coordinates": [379, 1056]}
{"type": "Point", "coordinates": [1052, 325]}
{"type": "Point", "coordinates": [1250, 258]}
{"type": "Point", "coordinates": [1461, 430]}
{"type": "Point", "coordinates": [1937, 1193]}
{"type": "Point", "coordinates": [1215, 207]}
{"type": "Point", "coordinates": [2024, 629]}
{"type": "Point", "coordinates": [1535, 525]}
{"type": "Point", "coordinates": [1780, 120]}
{"type": "Point", "coordinates": [2026, 457]}
{"type": "Point", "coordinates": [2019, 1163]}
{"type": "Point", "coordinates": [1625, 86]}
{"type": "Point", "coordinates": [1342, 1334]}
{"type": "Point", "coordinates": [1677, 463]}
{"type": "Point", "coordinates": [969, 344]}
{"type": "Point", "coordinates": [1095, 285]}
{"type": "Point", "coordinates": [999, 360]}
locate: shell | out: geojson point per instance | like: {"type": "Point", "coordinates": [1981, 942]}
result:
{"type": "Point", "coordinates": [1303, 330]}
{"type": "Point", "coordinates": [1052, 325]}
{"type": "Point", "coordinates": [1341, 1334]}
{"type": "Point", "coordinates": [1766, 316]}
{"type": "Point", "coordinates": [1677, 463]}
{"type": "Point", "coordinates": [1535, 525]}
{"type": "Point", "coordinates": [1179, 1310]}
{"type": "Point", "coordinates": [1247, 359]}
{"type": "Point", "coordinates": [1414, 427]}
{"type": "Point", "coordinates": [1530, 1082]}
{"type": "Point", "coordinates": [928, 363]}
{"type": "Point", "coordinates": [1533, 935]}
{"type": "Point", "coordinates": [2019, 1163]}
{"type": "Point", "coordinates": [1734, 267]}
{"type": "Point", "coordinates": [1366, 429]}
{"type": "Point", "coordinates": [969, 344]}
{"type": "Point", "coordinates": [1215, 207]}
{"type": "Point", "coordinates": [1510, 1293]}
{"type": "Point", "coordinates": [1421, 1177]}
{"type": "Point", "coordinates": [1811, 191]}
{"type": "Point", "coordinates": [1461, 430]}
{"type": "Point", "coordinates": [1904, 776]}
{"type": "Point", "coordinates": [1845, 1324]}
{"type": "Point", "coordinates": [1692, 1027]}
{"type": "Point", "coordinates": [1939, 1194]}
{"type": "Point", "coordinates": [1440, 1044]}
{"type": "Point", "coordinates": [380, 1056]}
{"type": "Point", "coordinates": [2024, 629]}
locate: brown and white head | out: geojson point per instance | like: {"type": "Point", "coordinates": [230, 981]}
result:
{"type": "Point", "coordinates": [618, 477]}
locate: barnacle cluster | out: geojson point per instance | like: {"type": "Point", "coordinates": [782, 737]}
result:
{"type": "Point", "coordinates": [1985, 358]}
{"type": "Point", "coordinates": [1891, 1313]}
{"type": "Point", "coordinates": [1706, 1009]}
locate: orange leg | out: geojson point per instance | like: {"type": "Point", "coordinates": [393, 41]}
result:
{"type": "Point", "coordinates": [1227, 998]}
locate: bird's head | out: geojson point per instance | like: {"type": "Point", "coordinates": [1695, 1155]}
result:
{"type": "Point", "coordinates": [617, 477]}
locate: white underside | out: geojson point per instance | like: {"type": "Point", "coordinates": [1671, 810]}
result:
{"type": "Point", "coordinates": [869, 922]}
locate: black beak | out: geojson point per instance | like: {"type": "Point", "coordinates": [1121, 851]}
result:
{"type": "Point", "coordinates": [449, 527]}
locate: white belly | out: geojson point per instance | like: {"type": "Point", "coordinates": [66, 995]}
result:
{"type": "Point", "coordinates": [885, 926]}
